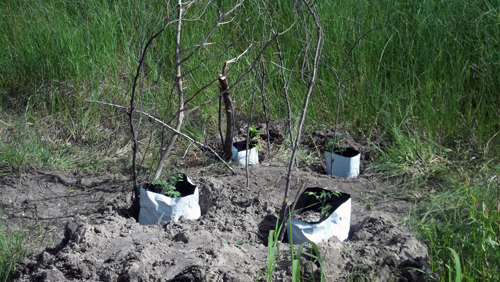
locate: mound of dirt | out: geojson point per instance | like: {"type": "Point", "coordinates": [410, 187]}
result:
{"type": "Point", "coordinates": [228, 242]}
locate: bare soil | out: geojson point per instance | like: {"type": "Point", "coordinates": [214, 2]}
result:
{"type": "Point", "coordinates": [90, 237]}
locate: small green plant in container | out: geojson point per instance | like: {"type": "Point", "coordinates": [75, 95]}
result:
{"type": "Point", "coordinates": [336, 141]}
{"type": "Point", "coordinates": [168, 186]}
{"type": "Point", "coordinates": [320, 214]}
{"type": "Point", "coordinates": [341, 161]}
{"type": "Point", "coordinates": [166, 200]}
{"type": "Point", "coordinates": [241, 151]}
{"type": "Point", "coordinates": [254, 137]}
{"type": "Point", "coordinates": [323, 198]}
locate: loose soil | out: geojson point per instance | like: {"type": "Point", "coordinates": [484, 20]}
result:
{"type": "Point", "coordinates": [307, 216]}
{"type": "Point", "coordinates": [90, 237]}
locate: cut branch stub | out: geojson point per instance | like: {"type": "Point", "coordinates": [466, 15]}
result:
{"type": "Point", "coordinates": [228, 104]}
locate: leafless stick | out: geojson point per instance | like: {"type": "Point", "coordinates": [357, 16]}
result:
{"type": "Point", "coordinates": [262, 91]}
{"type": "Point", "coordinates": [266, 114]}
{"type": "Point", "coordinates": [295, 200]}
{"type": "Point", "coordinates": [220, 119]}
{"type": "Point", "coordinates": [290, 208]}
{"type": "Point", "coordinates": [205, 140]}
{"type": "Point", "coordinates": [286, 83]}
{"type": "Point", "coordinates": [285, 90]}
{"type": "Point", "coordinates": [234, 60]}
{"type": "Point", "coordinates": [132, 110]}
{"type": "Point", "coordinates": [187, 149]}
{"type": "Point", "coordinates": [228, 105]}
{"type": "Point", "coordinates": [170, 128]}
{"type": "Point", "coordinates": [180, 93]}
{"type": "Point", "coordinates": [247, 169]}
{"type": "Point", "coordinates": [299, 193]}
{"type": "Point", "coordinates": [317, 51]}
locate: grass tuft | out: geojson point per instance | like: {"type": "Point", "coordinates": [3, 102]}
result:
{"type": "Point", "coordinates": [11, 250]}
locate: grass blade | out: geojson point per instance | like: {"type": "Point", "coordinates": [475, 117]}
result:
{"type": "Point", "coordinates": [458, 269]}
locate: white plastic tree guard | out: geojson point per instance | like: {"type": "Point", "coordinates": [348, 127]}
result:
{"type": "Point", "coordinates": [240, 153]}
{"type": "Point", "coordinates": [345, 164]}
{"type": "Point", "coordinates": [158, 208]}
{"type": "Point", "coordinates": [338, 223]}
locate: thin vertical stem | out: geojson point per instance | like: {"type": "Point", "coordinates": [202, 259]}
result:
{"type": "Point", "coordinates": [180, 94]}
{"type": "Point", "coordinates": [317, 52]}
{"type": "Point", "coordinates": [266, 114]}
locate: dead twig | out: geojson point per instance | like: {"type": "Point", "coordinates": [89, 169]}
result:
{"type": "Point", "coordinates": [170, 128]}
{"type": "Point", "coordinates": [312, 80]}
{"type": "Point", "coordinates": [228, 105]}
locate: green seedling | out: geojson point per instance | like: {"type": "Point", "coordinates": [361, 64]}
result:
{"type": "Point", "coordinates": [69, 189]}
{"type": "Point", "coordinates": [254, 136]}
{"type": "Point", "coordinates": [169, 186]}
{"type": "Point", "coordinates": [336, 141]}
{"type": "Point", "coordinates": [322, 198]}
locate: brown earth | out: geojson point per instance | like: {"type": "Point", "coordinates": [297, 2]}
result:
{"type": "Point", "coordinates": [90, 237]}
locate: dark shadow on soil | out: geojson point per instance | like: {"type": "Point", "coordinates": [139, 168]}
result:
{"type": "Point", "coordinates": [266, 225]}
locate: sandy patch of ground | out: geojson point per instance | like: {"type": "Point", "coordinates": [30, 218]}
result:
{"type": "Point", "coordinates": [91, 238]}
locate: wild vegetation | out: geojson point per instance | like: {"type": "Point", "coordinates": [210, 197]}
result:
{"type": "Point", "coordinates": [419, 79]}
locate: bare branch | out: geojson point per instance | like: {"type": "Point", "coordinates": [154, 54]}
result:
{"type": "Point", "coordinates": [217, 23]}
{"type": "Point", "coordinates": [228, 105]}
{"type": "Point", "coordinates": [238, 80]}
{"type": "Point", "coordinates": [234, 60]}
{"type": "Point", "coordinates": [142, 57]}
{"type": "Point", "coordinates": [286, 82]}
{"type": "Point", "coordinates": [165, 152]}
{"type": "Point", "coordinates": [317, 52]}
{"type": "Point", "coordinates": [199, 144]}
{"type": "Point", "coordinates": [265, 108]}
{"type": "Point", "coordinates": [247, 148]}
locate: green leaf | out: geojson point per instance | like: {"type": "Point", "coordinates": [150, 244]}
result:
{"type": "Point", "coordinates": [318, 257]}
{"type": "Point", "coordinates": [458, 269]}
{"type": "Point", "coordinates": [296, 270]}
{"type": "Point", "coordinates": [331, 142]}
{"type": "Point", "coordinates": [340, 137]}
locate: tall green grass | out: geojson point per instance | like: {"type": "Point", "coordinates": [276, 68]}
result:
{"type": "Point", "coordinates": [457, 204]}
{"type": "Point", "coordinates": [462, 228]}
{"type": "Point", "coordinates": [16, 243]}
{"type": "Point", "coordinates": [11, 246]}
{"type": "Point", "coordinates": [434, 69]}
